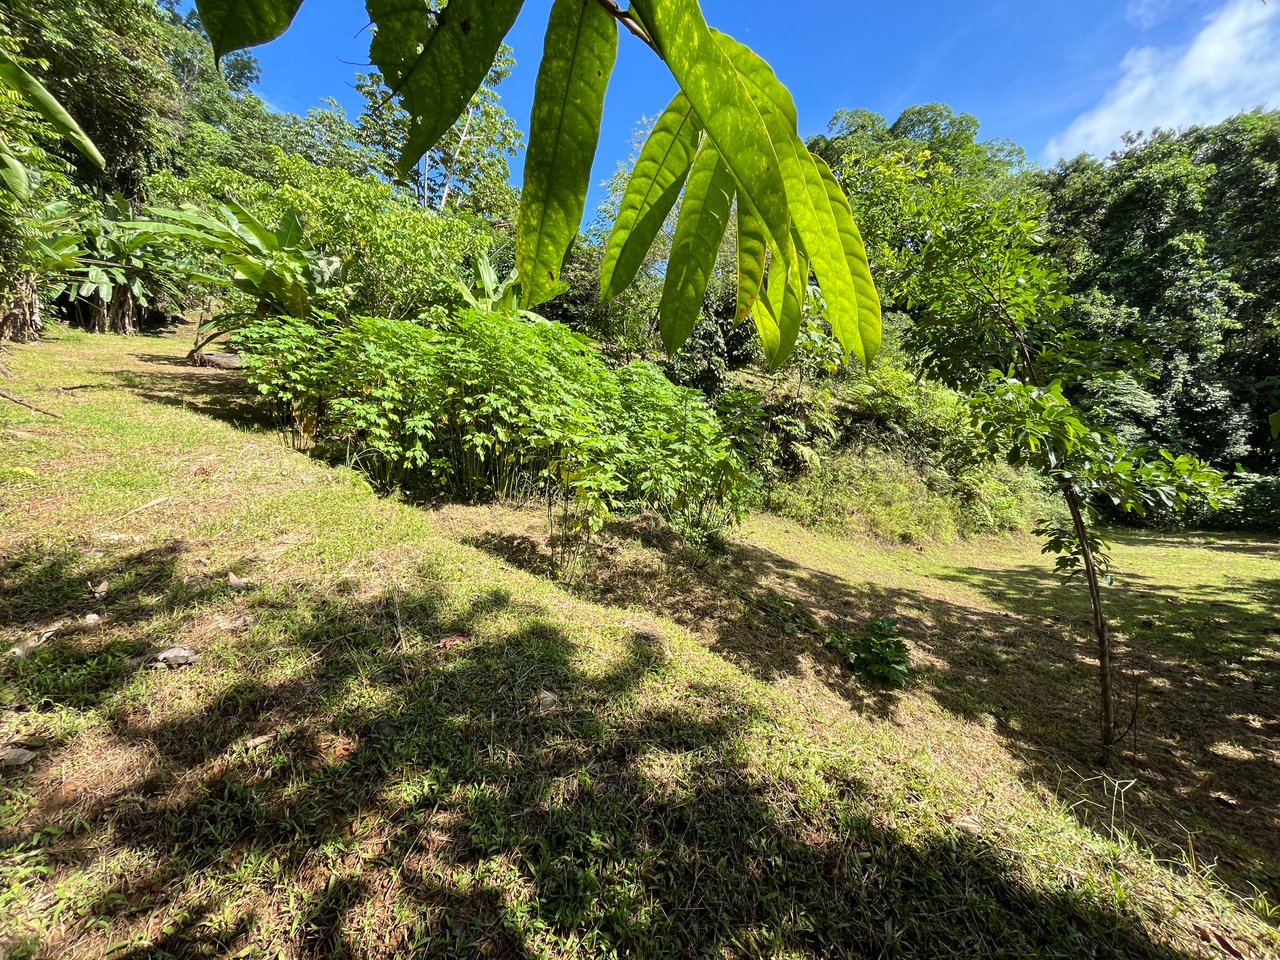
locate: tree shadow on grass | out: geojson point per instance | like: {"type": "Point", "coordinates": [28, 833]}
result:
{"type": "Point", "coordinates": [221, 394]}
{"type": "Point", "coordinates": [407, 773]}
{"type": "Point", "coordinates": [1202, 678]}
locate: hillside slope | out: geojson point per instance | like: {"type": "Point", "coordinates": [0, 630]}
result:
{"type": "Point", "coordinates": [400, 737]}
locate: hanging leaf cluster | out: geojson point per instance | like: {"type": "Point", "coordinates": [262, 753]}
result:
{"type": "Point", "coordinates": [726, 149]}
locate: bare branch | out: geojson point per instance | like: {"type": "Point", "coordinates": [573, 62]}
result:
{"type": "Point", "coordinates": [30, 406]}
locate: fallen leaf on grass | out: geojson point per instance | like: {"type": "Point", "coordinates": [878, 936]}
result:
{"type": "Point", "coordinates": [1225, 800]}
{"type": "Point", "coordinates": [237, 583]}
{"type": "Point", "coordinates": [1176, 601]}
{"type": "Point", "coordinates": [171, 657]}
{"type": "Point", "coordinates": [966, 823]}
{"type": "Point", "coordinates": [451, 640]}
{"type": "Point", "coordinates": [1227, 947]}
{"type": "Point", "coordinates": [99, 591]}
{"type": "Point", "coordinates": [15, 757]}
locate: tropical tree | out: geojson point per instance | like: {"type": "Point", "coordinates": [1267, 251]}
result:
{"type": "Point", "coordinates": [986, 312]}
{"type": "Point", "coordinates": [727, 143]}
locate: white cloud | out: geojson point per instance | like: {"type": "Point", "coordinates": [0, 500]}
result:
{"type": "Point", "coordinates": [1147, 13]}
{"type": "Point", "coordinates": [1233, 64]}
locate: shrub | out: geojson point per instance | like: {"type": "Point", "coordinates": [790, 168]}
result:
{"type": "Point", "coordinates": [398, 258]}
{"type": "Point", "coordinates": [483, 404]}
{"type": "Point", "coordinates": [1254, 505]}
{"type": "Point", "coordinates": [879, 656]}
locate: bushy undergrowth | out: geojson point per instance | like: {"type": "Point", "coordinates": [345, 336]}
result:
{"type": "Point", "coordinates": [877, 492]}
{"type": "Point", "coordinates": [1254, 505]}
{"type": "Point", "coordinates": [397, 258]}
{"type": "Point", "coordinates": [483, 404]}
{"type": "Point", "coordinates": [895, 457]}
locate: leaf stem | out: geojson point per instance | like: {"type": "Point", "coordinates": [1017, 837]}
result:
{"type": "Point", "coordinates": [625, 18]}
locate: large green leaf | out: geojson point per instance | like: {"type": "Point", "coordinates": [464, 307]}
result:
{"type": "Point", "coordinates": [14, 174]}
{"type": "Point", "coordinates": [712, 84]}
{"type": "Point", "coordinates": [43, 102]}
{"type": "Point", "coordinates": [236, 24]}
{"type": "Point", "coordinates": [436, 61]}
{"type": "Point", "coordinates": [1274, 420]}
{"type": "Point", "coordinates": [811, 210]}
{"type": "Point", "coordinates": [577, 58]}
{"type": "Point", "coordinates": [779, 326]}
{"type": "Point", "coordinates": [783, 303]}
{"type": "Point", "coordinates": [704, 216]}
{"type": "Point", "coordinates": [651, 192]}
{"type": "Point", "coordinates": [869, 321]}
{"type": "Point", "coordinates": [753, 242]}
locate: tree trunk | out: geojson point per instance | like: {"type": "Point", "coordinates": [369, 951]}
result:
{"type": "Point", "coordinates": [1100, 630]}
{"type": "Point", "coordinates": [20, 316]}
{"type": "Point", "coordinates": [118, 315]}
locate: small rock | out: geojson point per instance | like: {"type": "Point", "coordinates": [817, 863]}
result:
{"type": "Point", "coordinates": [547, 701]}
{"type": "Point", "coordinates": [175, 657]}
{"type": "Point", "coordinates": [32, 742]}
{"type": "Point", "coordinates": [237, 583]}
{"type": "Point", "coordinates": [15, 757]}
{"type": "Point", "coordinates": [99, 591]}
{"type": "Point", "coordinates": [91, 618]}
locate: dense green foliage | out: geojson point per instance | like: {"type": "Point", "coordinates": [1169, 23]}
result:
{"type": "Point", "coordinates": [482, 404]}
{"type": "Point", "coordinates": [1173, 245]}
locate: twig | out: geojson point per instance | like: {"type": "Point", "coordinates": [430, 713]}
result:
{"type": "Point", "coordinates": [625, 18]}
{"type": "Point", "coordinates": [146, 506]}
{"type": "Point", "coordinates": [30, 406]}
{"type": "Point", "coordinates": [78, 386]}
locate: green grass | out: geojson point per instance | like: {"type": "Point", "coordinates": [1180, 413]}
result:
{"type": "Point", "coordinates": [404, 740]}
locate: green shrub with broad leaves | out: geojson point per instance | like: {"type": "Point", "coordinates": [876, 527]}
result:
{"type": "Point", "coordinates": [879, 656]}
{"type": "Point", "coordinates": [486, 404]}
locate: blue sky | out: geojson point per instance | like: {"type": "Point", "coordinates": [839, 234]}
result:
{"type": "Point", "coordinates": [1056, 76]}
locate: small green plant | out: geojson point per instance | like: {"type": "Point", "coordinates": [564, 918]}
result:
{"type": "Point", "coordinates": [879, 656]}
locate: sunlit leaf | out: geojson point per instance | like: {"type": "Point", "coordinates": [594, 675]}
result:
{"type": "Point", "coordinates": [44, 103]}
{"type": "Point", "coordinates": [436, 61]}
{"type": "Point", "coordinates": [869, 319]}
{"type": "Point", "coordinates": [651, 192]}
{"type": "Point", "coordinates": [753, 242]}
{"type": "Point", "coordinates": [236, 24]}
{"type": "Point", "coordinates": [14, 174]}
{"type": "Point", "coordinates": [577, 59]}
{"type": "Point", "coordinates": [811, 209]}
{"type": "Point", "coordinates": [712, 84]}
{"type": "Point", "coordinates": [704, 216]}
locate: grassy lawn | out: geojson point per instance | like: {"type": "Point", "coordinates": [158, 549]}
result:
{"type": "Point", "coordinates": [402, 737]}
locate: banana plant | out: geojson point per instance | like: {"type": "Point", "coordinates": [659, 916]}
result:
{"type": "Point", "coordinates": [108, 272]}
{"type": "Point", "coordinates": [727, 143]}
{"type": "Point", "coordinates": [277, 268]}
{"type": "Point", "coordinates": [13, 173]}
